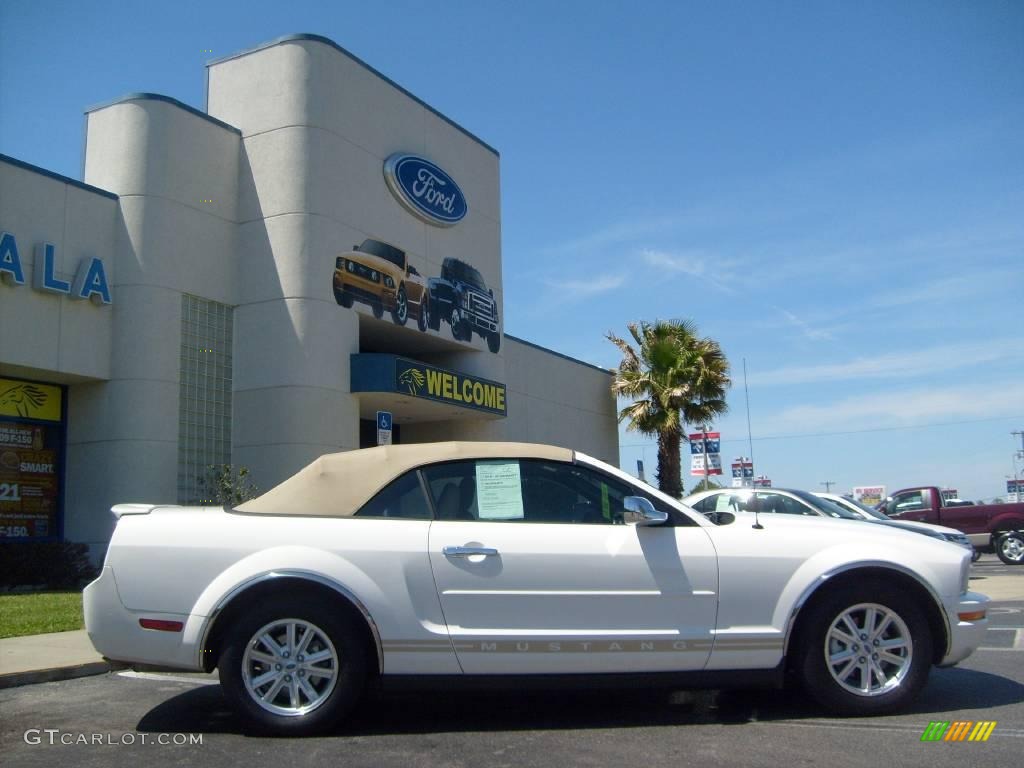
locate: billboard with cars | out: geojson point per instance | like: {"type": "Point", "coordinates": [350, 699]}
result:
{"type": "Point", "coordinates": [379, 276]}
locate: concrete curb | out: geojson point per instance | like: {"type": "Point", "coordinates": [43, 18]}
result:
{"type": "Point", "coordinates": [33, 676]}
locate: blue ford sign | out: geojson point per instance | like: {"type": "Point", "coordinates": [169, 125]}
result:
{"type": "Point", "coordinates": [425, 190]}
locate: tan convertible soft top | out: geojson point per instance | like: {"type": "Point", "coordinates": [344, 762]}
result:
{"type": "Point", "coordinates": [338, 484]}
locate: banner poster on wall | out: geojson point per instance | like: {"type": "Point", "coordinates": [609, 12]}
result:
{"type": "Point", "coordinates": [30, 448]}
{"type": "Point", "coordinates": [713, 441]}
{"type": "Point", "coordinates": [762, 481]}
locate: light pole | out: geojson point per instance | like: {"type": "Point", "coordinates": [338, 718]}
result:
{"type": "Point", "coordinates": [828, 485]}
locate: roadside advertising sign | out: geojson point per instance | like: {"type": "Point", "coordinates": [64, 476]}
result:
{"type": "Point", "coordinates": [742, 473]}
{"type": "Point", "coordinates": [869, 494]}
{"type": "Point", "coordinates": [698, 441]}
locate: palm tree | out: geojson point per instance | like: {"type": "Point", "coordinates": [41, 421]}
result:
{"type": "Point", "coordinates": [674, 378]}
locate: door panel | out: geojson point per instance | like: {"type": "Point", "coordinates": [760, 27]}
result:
{"type": "Point", "coordinates": [564, 598]}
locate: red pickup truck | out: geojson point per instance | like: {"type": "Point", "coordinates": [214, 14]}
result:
{"type": "Point", "coordinates": [998, 527]}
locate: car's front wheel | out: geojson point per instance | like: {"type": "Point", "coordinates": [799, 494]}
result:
{"type": "Point", "coordinates": [864, 650]}
{"type": "Point", "coordinates": [400, 313]}
{"type": "Point", "coordinates": [1010, 548]}
{"type": "Point", "coordinates": [290, 667]}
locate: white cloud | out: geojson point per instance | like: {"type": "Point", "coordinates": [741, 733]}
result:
{"type": "Point", "coordinates": [900, 408]}
{"type": "Point", "coordinates": [571, 290]}
{"type": "Point", "coordinates": [809, 331]}
{"type": "Point", "coordinates": [710, 268]}
{"type": "Point", "coordinates": [945, 289]}
{"type": "Point", "coordinates": [687, 262]}
{"type": "Point", "coordinates": [894, 365]}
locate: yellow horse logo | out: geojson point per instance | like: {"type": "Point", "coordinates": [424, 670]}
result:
{"type": "Point", "coordinates": [412, 379]}
{"type": "Point", "coordinates": [24, 398]}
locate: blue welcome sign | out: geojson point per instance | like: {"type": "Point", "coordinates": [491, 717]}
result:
{"type": "Point", "coordinates": [425, 190]}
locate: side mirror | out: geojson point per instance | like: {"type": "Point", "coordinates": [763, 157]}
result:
{"type": "Point", "coordinates": [640, 512]}
{"type": "Point", "coordinates": [411, 270]}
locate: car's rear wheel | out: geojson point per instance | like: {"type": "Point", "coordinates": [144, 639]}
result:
{"type": "Point", "coordinates": [864, 650]}
{"type": "Point", "coordinates": [1010, 548]}
{"type": "Point", "coordinates": [400, 313]}
{"type": "Point", "coordinates": [292, 667]}
{"type": "Point", "coordinates": [494, 341]}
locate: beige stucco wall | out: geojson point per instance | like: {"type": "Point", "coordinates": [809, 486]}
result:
{"type": "Point", "coordinates": [251, 209]}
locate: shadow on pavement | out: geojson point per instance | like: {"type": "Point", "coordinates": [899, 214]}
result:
{"type": "Point", "coordinates": [205, 710]}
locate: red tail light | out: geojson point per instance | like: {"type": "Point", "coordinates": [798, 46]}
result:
{"type": "Point", "coordinates": [162, 625]}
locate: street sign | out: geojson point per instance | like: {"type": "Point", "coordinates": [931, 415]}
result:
{"type": "Point", "coordinates": [383, 427]}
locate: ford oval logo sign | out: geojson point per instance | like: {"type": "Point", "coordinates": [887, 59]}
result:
{"type": "Point", "coordinates": [425, 190]}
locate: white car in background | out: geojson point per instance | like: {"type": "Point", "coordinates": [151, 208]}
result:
{"type": "Point", "coordinates": [928, 529]}
{"type": "Point", "coordinates": [483, 563]}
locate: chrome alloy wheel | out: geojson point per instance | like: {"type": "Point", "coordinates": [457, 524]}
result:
{"type": "Point", "coordinates": [1012, 546]}
{"type": "Point", "coordinates": [868, 649]}
{"type": "Point", "coordinates": [290, 667]}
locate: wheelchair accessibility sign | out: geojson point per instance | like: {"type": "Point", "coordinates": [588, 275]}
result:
{"type": "Point", "coordinates": [383, 427]}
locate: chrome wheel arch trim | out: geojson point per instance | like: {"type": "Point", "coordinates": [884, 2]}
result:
{"type": "Point", "coordinates": [291, 573]}
{"type": "Point", "coordinates": [823, 579]}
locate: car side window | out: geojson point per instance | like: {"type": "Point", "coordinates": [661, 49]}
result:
{"type": "Point", "coordinates": [904, 502]}
{"type": "Point", "coordinates": [527, 490]}
{"type": "Point", "coordinates": [402, 498]}
{"type": "Point", "coordinates": [707, 504]}
{"type": "Point", "coordinates": [569, 493]}
{"type": "Point", "coordinates": [781, 505]}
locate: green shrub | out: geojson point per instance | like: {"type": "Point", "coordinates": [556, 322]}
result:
{"type": "Point", "coordinates": [50, 564]}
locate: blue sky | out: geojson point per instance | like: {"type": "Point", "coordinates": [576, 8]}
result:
{"type": "Point", "coordinates": [834, 191]}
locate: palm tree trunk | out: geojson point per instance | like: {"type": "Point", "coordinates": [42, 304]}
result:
{"type": "Point", "coordinates": [669, 472]}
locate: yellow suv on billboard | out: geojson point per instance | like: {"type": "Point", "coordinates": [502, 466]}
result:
{"type": "Point", "coordinates": [380, 275]}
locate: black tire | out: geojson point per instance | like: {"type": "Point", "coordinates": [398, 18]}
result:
{"type": "Point", "coordinates": [494, 341]}
{"type": "Point", "coordinates": [423, 319]}
{"type": "Point", "coordinates": [400, 314]}
{"type": "Point", "coordinates": [834, 691]}
{"type": "Point", "coordinates": [433, 316]}
{"type": "Point", "coordinates": [459, 326]}
{"type": "Point", "coordinates": [378, 308]}
{"type": "Point", "coordinates": [344, 298]}
{"type": "Point", "coordinates": [350, 662]}
{"type": "Point", "coordinates": [1010, 548]}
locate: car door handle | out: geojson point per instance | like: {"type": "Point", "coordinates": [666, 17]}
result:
{"type": "Point", "coordinates": [468, 551]}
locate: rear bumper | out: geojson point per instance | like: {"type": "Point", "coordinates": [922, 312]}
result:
{"type": "Point", "coordinates": [964, 636]}
{"type": "Point", "coordinates": [115, 632]}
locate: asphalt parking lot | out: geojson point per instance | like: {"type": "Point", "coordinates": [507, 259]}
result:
{"type": "Point", "coordinates": [743, 728]}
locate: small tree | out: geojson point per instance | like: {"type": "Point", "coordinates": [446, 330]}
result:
{"type": "Point", "coordinates": [228, 485]}
{"type": "Point", "coordinates": [674, 377]}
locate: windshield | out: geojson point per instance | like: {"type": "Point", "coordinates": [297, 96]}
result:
{"type": "Point", "coordinates": [874, 513]}
{"type": "Point", "coordinates": [385, 251]}
{"type": "Point", "coordinates": [467, 274]}
{"type": "Point", "coordinates": [830, 508]}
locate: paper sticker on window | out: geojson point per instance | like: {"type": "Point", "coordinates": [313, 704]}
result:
{"type": "Point", "coordinates": [499, 494]}
{"type": "Point", "coordinates": [724, 503]}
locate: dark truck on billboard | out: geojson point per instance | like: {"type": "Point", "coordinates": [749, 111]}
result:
{"type": "Point", "coordinates": [996, 526]}
{"type": "Point", "coordinates": [461, 298]}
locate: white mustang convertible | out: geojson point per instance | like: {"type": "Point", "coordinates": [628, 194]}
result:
{"type": "Point", "coordinates": [507, 563]}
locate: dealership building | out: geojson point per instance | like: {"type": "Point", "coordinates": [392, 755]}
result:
{"type": "Point", "coordinates": [251, 285]}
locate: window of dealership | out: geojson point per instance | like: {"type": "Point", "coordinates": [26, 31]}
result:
{"type": "Point", "coordinates": [250, 284]}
